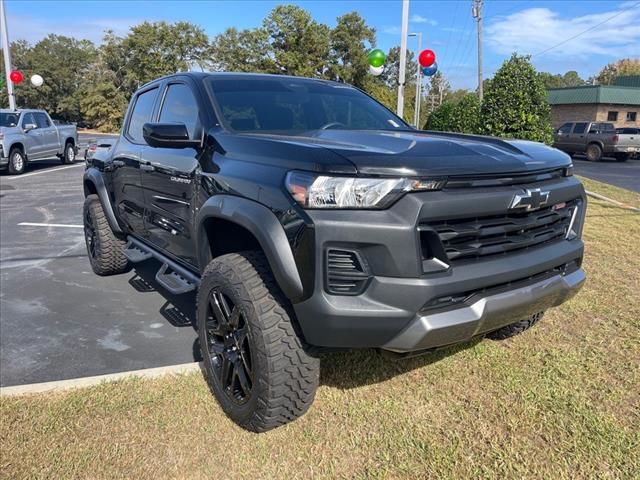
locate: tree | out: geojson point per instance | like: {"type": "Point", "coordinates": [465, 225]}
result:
{"type": "Point", "coordinates": [440, 119]}
{"type": "Point", "coordinates": [351, 40]}
{"type": "Point", "coordinates": [152, 50]}
{"type": "Point", "coordinates": [243, 51]}
{"type": "Point", "coordinates": [516, 105]}
{"type": "Point", "coordinates": [60, 61]}
{"type": "Point", "coordinates": [300, 45]}
{"type": "Point", "coordinates": [625, 66]}
{"type": "Point", "coordinates": [465, 117]}
{"type": "Point", "coordinates": [569, 79]}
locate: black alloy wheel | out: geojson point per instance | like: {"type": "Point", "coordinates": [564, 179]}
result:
{"type": "Point", "coordinates": [228, 350]}
{"type": "Point", "coordinates": [90, 233]}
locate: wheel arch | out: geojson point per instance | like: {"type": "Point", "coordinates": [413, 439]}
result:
{"type": "Point", "coordinates": [93, 183]}
{"type": "Point", "coordinates": [18, 145]}
{"type": "Point", "coordinates": [248, 225]}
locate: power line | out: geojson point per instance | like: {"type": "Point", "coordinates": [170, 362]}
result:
{"type": "Point", "coordinates": [585, 31]}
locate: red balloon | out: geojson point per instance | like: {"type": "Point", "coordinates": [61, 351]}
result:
{"type": "Point", "coordinates": [16, 76]}
{"type": "Point", "coordinates": [427, 58]}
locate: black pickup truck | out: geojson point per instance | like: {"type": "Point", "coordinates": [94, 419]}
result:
{"type": "Point", "coordinates": [311, 218]}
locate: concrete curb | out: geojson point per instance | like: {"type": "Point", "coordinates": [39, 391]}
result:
{"type": "Point", "coordinates": [610, 200]}
{"type": "Point", "coordinates": [83, 382]}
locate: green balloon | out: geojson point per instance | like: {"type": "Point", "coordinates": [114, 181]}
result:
{"type": "Point", "coordinates": [376, 58]}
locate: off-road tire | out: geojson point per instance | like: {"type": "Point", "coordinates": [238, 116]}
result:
{"type": "Point", "coordinates": [515, 328]}
{"type": "Point", "coordinates": [622, 157]}
{"type": "Point", "coordinates": [107, 257]}
{"type": "Point", "coordinates": [594, 152]}
{"type": "Point", "coordinates": [17, 166]}
{"type": "Point", "coordinates": [69, 154]}
{"type": "Point", "coordinates": [284, 374]}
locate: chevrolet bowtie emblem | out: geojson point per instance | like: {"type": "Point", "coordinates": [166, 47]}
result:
{"type": "Point", "coordinates": [530, 200]}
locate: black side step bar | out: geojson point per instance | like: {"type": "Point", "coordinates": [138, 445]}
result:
{"type": "Point", "coordinates": [171, 276]}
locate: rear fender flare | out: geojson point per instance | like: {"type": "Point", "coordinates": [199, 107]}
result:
{"type": "Point", "coordinates": [264, 226]}
{"type": "Point", "coordinates": [94, 176]}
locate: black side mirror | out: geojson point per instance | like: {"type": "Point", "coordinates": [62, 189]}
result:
{"type": "Point", "coordinates": [168, 135]}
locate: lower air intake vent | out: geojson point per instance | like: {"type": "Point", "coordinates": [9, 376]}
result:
{"type": "Point", "coordinates": [346, 273]}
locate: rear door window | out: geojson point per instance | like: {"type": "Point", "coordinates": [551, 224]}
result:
{"type": "Point", "coordinates": [580, 127]}
{"type": "Point", "coordinates": [141, 114]}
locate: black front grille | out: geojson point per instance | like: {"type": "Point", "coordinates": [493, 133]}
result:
{"type": "Point", "coordinates": [499, 234]}
{"type": "Point", "coordinates": [346, 273]}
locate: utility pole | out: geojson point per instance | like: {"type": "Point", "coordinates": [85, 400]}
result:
{"type": "Point", "coordinates": [403, 57]}
{"type": "Point", "coordinates": [6, 50]}
{"type": "Point", "coordinates": [476, 11]}
{"type": "Point", "coordinates": [416, 114]}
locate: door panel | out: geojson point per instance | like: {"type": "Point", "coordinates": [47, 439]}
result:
{"type": "Point", "coordinates": [169, 178]}
{"type": "Point", "coordinates": [127, 189]}
{"type": "Point", "coordinates": [49, 135]}
{"type": "Point", "coordinates": [33, 138]}
{"type": "Point", "coordinates": [127, 178]}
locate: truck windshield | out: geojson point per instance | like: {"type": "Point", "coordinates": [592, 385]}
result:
{"type": "Point", "coordinates": [8, 119]}
{"type": "Point", "coordinates": [292, 106]}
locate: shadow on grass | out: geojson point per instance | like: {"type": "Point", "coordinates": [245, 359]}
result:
{"type": "Point", "coordinates": [357, 368]}
{"type": "Point", "coordinates": [345, 369]}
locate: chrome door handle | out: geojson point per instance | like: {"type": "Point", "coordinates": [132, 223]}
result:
{"type": "Point", "coordinates": [147, 168]}
{"type": "Point", "coordinates": [118, 163]}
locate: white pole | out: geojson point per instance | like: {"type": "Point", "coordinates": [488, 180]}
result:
{"type": "Point", "coordinates": [6, 50]}
{"type": "Point", "coordinates": [403, 57]}
{"type": "Point", "coordinates": [416, 115]}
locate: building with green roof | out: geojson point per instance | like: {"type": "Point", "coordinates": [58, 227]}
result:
{"type": "Point", "coordinates": [618, 103]}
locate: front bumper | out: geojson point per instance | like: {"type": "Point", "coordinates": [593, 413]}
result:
{"type": "Point", "coordinates": [486, 314]}
{"type": "Point", "coordinates": [395, 310]}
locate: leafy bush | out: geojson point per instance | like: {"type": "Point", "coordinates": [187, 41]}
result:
{"type": "Point", "coordinates": [516, 104]}
{"type": "Point", "coordinates": [456, 116]}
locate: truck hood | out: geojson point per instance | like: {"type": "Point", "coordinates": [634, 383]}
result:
{"type": "Point", "coordinates": [420, 153]}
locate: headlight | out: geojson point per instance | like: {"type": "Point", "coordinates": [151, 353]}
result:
{"type": "Point", "coordinates": [321, 191]}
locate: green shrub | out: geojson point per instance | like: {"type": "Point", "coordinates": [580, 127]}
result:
{"type": "Point", "coordinates": [516, 104]}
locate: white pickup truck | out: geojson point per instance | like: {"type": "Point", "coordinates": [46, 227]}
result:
{"type": "Point", "coordinates": [30, 135]}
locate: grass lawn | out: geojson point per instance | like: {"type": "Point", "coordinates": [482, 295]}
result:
{"type": "Point", "coordinates": [560, 401]}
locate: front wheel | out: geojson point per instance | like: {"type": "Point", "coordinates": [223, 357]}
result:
{"type": "Point", "coordinates": [69, 154]}
{"type": "Point", "coordinates": [255, 361]}
{"type": "Point", "coordinates": [17, 162]}
{"type": "Point", "coordinates": [516, 328]}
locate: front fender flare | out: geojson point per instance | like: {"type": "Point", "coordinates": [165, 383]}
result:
{"type": "Point", "coordinates": [264, 226]}
{"type": "Point", "coordinates": [94, 176]}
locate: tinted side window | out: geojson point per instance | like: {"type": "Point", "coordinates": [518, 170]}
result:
{"type": "Point", "coordinates": [27, 119]}
{"type": "Point", "coordinates": [141, 114]}
{"type": "Point", "coordinates": [180, 106]}
{"type": "Point", "coordinates": [41, 120]}
{"type": "Point", "coordinates": [580, 127]}
{"type": "Point", "coordinates": [566, 128]}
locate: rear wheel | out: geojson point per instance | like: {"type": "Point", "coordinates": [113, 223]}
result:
{"type": "Point", "coordinates": [69, 154]}
{"type": "Point", "coordinates": [17, 161]}
{"type": "Point", "coordinates": [103, 247]}
{"type": "Point", "coordinates": [255, 361]}
{"type": "Point", "coordinates": [594, 152]}
{"type": "Point", "coordinates": [515, 328]}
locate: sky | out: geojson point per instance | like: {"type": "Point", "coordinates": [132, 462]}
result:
{"type": "Point", "coordinates": [604, 30]}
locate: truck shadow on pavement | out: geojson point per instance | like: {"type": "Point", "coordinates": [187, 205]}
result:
{"type": "Point", "coordinates": [346, 369]}
{"type": "Point", "coordinates": [178, 310]}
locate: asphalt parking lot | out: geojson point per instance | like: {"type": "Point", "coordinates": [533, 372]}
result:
{"type": "Point", "coordinates": [57, 319]}
{"type": "Point", "coordinates": [621, 174]}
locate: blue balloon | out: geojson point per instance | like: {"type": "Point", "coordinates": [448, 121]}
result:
{"type": "Point", "coordinates": [428, 71]}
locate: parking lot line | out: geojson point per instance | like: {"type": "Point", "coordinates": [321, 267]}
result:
{"type": "Point", "coordinates": [49, 170]}
{"type": "Point", "coordinates": [30, 224]}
